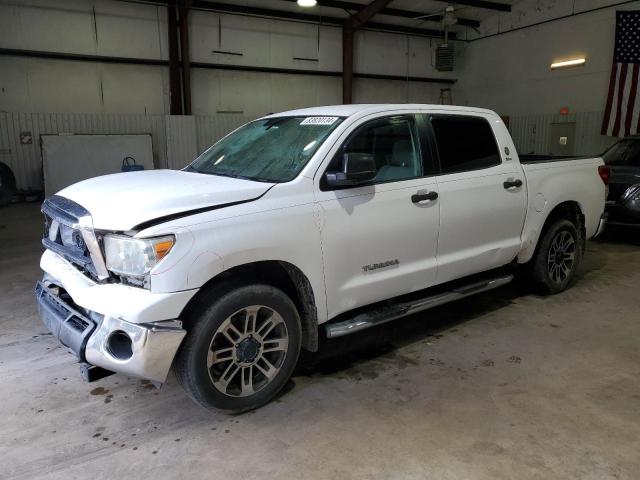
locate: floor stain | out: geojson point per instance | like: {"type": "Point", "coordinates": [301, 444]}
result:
{"type": "Point", "coordinates": [99, 391]}
{"type": "Point", "coordinates": [486, 448]}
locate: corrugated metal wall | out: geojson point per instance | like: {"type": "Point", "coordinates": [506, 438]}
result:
{"type": "Point", "coordinates": [531, 132]}
{"type": "Point", "coordinates": [211, 128]}
{"type": "Point", "coordinates": [181, 141]}
{"type": "Point", "coordinates": [26, 159]}
{"type": "Point", "coordinates": [176, 139]}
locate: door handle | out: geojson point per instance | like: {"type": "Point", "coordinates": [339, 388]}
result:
{"type": "Point", "coordinates": [421, 197]}
{"type": "Point", "coordinates": [512, 183]}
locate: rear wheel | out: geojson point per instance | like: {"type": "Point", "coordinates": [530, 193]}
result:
{"type": "Point", "coordinates": [557, 257]}
{"type": "Point", "coordinates": [240, 351]}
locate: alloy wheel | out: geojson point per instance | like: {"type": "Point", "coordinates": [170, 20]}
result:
{"type": "Point", "coordinates": [247, 351]}
{"type": "Point", "coordinates": [561, 256]}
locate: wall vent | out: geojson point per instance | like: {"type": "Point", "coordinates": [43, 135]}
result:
{"type": "Point", "coordinates": [444, 57]}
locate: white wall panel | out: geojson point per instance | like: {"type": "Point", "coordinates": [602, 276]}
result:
{"type": "Point", "coordinates": [66, 25]}
{"type": "Point", "coordinates": [26, 160]}
{"type": "Point", "coordinates": [181, 140]}
{"type": "Point", "coordinates": [48, 85]}
{"type": "Point", "coordinates": [264, 42]}
{"type": "Point", "coordinates": [510, 72]}
{"type": "Point", "coordinates": [291, 40]}
{"type": "Point", "coordinates": [298, 91]}
{"type": "Point", "coordinates": [527, 12]}
{"type": "Point", "coordinates": [113, 28]}
{"type": "Point", "coordinates": [38, 85]}
{"type": "Point", "coordinates": [531, 132]}
{"type": "Point", "coordinates": [134, 89]}
{"type": "Point", "coordinates": [69, 26]}
{"type": "Point", "coordinates": [395, 91]}
{"type": "Point", "coordinates": [176, 140]}
{"type": "Point", "coordinates": [330, 52]}
{"type": "Point", "coordinates": [255, 93]}
{"type": "Point", "coordinates": [66, 160]}
{"type": "Point", "coordinates": [380, 53]}
{"type": "Point", "coordinates": [131, 30]}
{"type": "Point", "coordinates": [422, 57]}
{"type": "Point", "coordinates": [245, 35]}
{"type": "Point", "coordinates": [394, 54]}
{"type": "Point", "coordinates": [211, 128]}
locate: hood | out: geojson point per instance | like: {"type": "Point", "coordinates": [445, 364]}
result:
{"type": "Point", "coordinates": [122, 201]}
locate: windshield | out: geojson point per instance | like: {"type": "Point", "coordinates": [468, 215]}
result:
{"type": "Point", "coordinates": [269, 150]}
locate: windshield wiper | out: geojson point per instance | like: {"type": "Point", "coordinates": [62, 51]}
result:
{"type": "Point", "coordinates": [240, 177]}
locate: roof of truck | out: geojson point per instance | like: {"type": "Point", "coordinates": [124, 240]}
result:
{"type": "Point", "coordinates": [353, 109]}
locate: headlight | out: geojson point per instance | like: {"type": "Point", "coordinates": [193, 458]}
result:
{"type": "Point", "coordinates": [135, 256]}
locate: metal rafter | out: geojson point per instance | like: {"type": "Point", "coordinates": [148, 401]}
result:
{"type": "Point", "coordinates": [393, 12]}
{"type": "Point", "coordinates": [501, 7]}
{"type": "Point", "coordinates": [363, 16]}
{"type": "Point", "coordinates": [294, 16]}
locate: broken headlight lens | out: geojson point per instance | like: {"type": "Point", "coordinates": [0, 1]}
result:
{"type": "Point", "coordinates": [135, 257]}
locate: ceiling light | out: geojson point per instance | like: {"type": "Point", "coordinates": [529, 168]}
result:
{"type": "Point", "coordinates": [307, 3]}
{"type": "Point", "coordinates": [569, 63]}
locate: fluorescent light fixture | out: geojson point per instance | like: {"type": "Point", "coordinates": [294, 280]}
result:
{"type": "Point", "coordinates": [569, 63]}
{"type": "Point", "coordinates": [307, 3]}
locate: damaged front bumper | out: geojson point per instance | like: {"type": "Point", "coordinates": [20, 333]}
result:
{"type": "Point", "coordinates": [143, 348]}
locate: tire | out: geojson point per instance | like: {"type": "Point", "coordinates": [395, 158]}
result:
{"type": "Point", "coordinates": [557, 257]}
{"type": "Point", "coordinates": [221, 350]}
{"type": "Point", "coordinates": [7, 185]}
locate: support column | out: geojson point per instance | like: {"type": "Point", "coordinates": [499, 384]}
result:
{"type": "Point", "coordinates": [175, 91]}
{"type": "Point", "coordinates": [347, 64]}
{"type": "Point", "coordinates": [350, 25]}
{"type": "Point", "coordinates": [185, 58]}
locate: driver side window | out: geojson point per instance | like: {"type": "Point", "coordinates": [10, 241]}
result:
{"type": "Point", "coordinates": [394, 144]}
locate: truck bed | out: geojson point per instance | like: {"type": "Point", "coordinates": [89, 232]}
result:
{"type": "Point", "coordinates": [551, 158]}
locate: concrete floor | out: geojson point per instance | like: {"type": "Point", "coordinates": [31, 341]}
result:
{"type": "Point", "coordinates": [505, 385]}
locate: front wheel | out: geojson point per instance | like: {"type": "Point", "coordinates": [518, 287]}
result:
{"type": "Point", "coordinates": [240, 350]}
{"type": "Point", "coordinates": [557, 257]}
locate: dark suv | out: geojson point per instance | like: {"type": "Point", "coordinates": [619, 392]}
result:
{"type": "Point", "coordinates": [623, 202]}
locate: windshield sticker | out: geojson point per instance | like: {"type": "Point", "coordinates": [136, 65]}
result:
{"type": "Point", "coordinates": [319, 121]}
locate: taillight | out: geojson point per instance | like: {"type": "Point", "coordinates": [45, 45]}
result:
{"type": "Point", "coordinates": [605, 173]}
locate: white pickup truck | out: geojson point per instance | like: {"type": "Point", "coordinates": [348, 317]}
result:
{"type": "Point", "coordinates": [321, 221]}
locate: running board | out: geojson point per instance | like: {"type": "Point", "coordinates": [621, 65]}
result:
{"type": "Point", "coordinates": [392, 312]}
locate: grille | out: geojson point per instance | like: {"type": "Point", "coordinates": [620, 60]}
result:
{"type": "Point", "coordinates": [68, 231]}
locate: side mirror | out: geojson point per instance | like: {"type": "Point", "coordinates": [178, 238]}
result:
{"type": "Point", "coordinates": [357, 168]}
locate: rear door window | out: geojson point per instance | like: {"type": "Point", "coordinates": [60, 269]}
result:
{"type": "Point", "coordinates": [464, 143]}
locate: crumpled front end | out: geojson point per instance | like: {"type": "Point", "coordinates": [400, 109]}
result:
{"type": "Point", "coordinates": [118, 327]}
{"type": "Point", "coordinates": [143, 350]}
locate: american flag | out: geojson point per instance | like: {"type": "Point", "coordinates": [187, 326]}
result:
{"type": "Point", "coordinates": [622, 113]}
